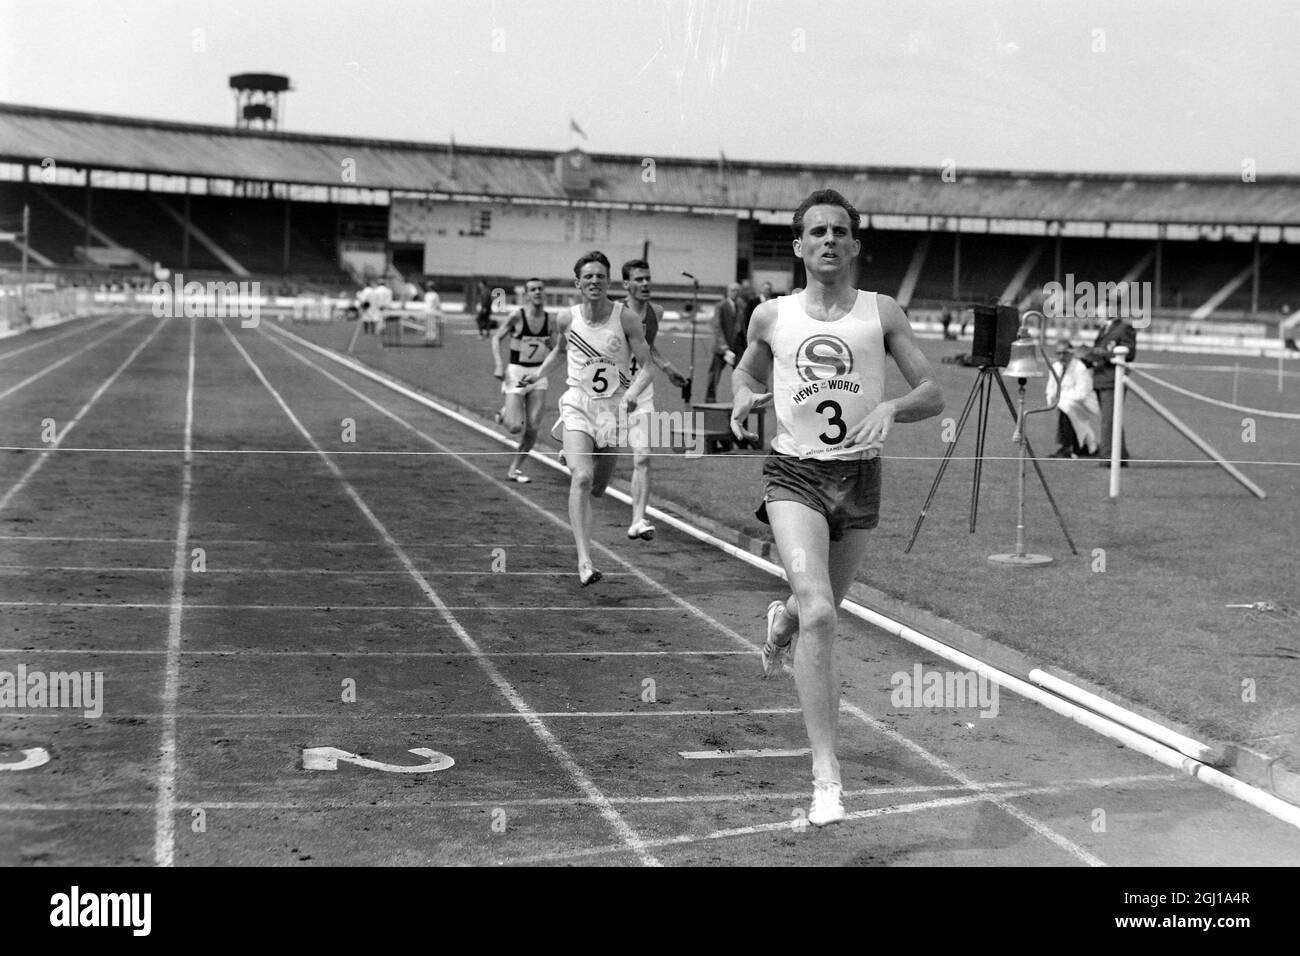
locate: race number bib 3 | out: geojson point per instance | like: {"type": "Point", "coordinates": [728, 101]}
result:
{"type": "Point", "coordinates": [824, 412]}
{"type": "Point", "coordinates": [599, 377]}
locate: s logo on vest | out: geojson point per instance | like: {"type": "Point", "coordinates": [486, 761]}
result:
{"type": "Point", "coordinates": [823, 357]}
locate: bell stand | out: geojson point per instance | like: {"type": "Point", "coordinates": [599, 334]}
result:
{"type": "Point", "coordinates": [982, 391]}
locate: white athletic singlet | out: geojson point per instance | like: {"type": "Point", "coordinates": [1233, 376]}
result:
{"type": "Point", "coordinates": [598, 355]}
{"type": "Point", "coordinates": [826, 377]}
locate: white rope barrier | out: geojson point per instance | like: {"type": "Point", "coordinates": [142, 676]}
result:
{"type": "Point", "coordinates": [1289, 416]}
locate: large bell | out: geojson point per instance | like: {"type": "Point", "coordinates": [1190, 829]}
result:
{"type": "Point", "coordinates": [1023, 361]}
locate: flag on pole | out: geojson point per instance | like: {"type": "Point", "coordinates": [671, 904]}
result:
{"type": "Point", "coordinates": [574, 127]}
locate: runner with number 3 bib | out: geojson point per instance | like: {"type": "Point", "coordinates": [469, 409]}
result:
{"type": "Point", "coordinates": [824, 351]}
{"type": "Point", "coordinates": [599, 338]}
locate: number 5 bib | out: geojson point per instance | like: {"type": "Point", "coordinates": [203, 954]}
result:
{"type": "Point", "coordinates": [598, 377]}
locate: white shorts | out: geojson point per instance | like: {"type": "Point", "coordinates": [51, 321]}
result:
{"type": "Point", "coordinates": [510, 384]}
{"type": "Point", "coordinates": [596, 417]}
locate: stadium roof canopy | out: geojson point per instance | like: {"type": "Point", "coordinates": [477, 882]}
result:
{"type": "Point", "coordinates": [30, 135]}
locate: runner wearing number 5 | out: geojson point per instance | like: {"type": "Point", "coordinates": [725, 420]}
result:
{"type": "Point", "coordinates": [824, 353]}
{"type": "Point", "coordinates": [599, 338]}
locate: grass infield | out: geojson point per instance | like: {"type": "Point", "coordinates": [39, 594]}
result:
{"type": "Point", "coordinates": [1141, 610]}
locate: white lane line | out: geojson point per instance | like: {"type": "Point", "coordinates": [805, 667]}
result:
{"type": "Point", "coordinates": [51, 339]}
{"type": "Point", "coordinates": [944, 766]}
{"type": "Point", "coordinates": [36, 376]}
{"type": "Point", "coordinates": [756, 796]}
{"type": "Point", "coordinates": [742, 754]}
{"type": "Point", "coordinates": [496, 609]}
{"type": "Point", "coordinates": [265, 543]}
{"type": "Point", "coordinates": [104, 387]}
{"type": "Point", "coordinates": [303, 571]}
{"type": "Point", "coordinates": [66, 538]}
{"type": "Point", "coordinates": [577, 775]}
{"type": "Point", "coordinates": [441, 715]}
{"type": "Point", "coordinates": [165, 809]}
{"type": "Point", "coordinates": [260, 652]}
{"type": "Point", "coordinates": [983, 793]}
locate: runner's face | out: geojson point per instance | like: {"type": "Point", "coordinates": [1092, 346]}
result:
{"type": "Point", "coordinates": [536, 293]}
{"type": "Point", "coordinates": [592, 281]}
{"type": "Point", "coordinates": [827, 245]}
{"type": "Point", "coordinates": [638, 286]}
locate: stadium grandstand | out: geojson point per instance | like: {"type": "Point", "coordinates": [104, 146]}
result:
{"type": "Point", "coordinates": [113, 198]}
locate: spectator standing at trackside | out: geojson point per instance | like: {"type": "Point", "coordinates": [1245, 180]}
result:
{"type": "Point", "coordinates": [433, 304]}
{"type": "Point", "coordinates": [1118, 331]}
{"type": "Point", "coordinates": [366, 306]}
{"type": "Point", "coordinates": [1078, 414]}
{"type": "Point", "coordinates": [749, 301]}
{"type": "Point", "coordinates": [725, 322]}
{"type": "Point", "coordinates": [381, 299]}
{"type": "Point", "coordinates": [483, 315]}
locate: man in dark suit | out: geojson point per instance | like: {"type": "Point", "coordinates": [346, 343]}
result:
{"type": "Point", "coordinates": [1118, 331]}
{"type": "Point", "coordinates": [725, 324]}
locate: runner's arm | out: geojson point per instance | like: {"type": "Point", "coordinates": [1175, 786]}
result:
{"type": "Point", "coordinates": [925, 400]}
{"type": "Point", "coordinates": [750, 378]}
{"type": "Point", "coordinates": [638, 346]}
{"type": "Point", "coordinates": [506, 328]}
{"type": "Point", "coordinates": [676, 377]}
{"type": "Point", "coordinates": [554, 357]}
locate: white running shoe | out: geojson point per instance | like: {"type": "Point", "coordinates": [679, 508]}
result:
{"type": "Point", "coordinates": [773, 652]}
{"type": "Point", "coordinates": [641, 529]}
{"type": "Point", "coordinates": [514, 474]}
{"type": "Point", "coordinates": [826, 805]}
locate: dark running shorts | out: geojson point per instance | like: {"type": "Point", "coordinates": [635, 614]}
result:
{"type": "Point", "coordinates": [846, 492]}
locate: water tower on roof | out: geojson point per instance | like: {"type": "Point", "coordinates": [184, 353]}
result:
{"type": "Point", "coordinates": [257, 99]}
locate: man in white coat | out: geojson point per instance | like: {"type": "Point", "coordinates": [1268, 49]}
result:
{"type": "Point", "coordinates": [1078, 414]}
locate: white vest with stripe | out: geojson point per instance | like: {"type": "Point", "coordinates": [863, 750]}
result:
{"type": "Point", "coordinates": [826, 377]}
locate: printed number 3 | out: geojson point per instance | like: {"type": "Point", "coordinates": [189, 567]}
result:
{"type": "Point", "coordinates": [834, 420]}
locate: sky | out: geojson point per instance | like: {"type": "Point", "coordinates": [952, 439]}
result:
{"type": "Point", "coordinates": [1161, 86]}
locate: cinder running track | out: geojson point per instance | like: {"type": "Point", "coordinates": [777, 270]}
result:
{"type": "Point", "coordinates": [263, 553]}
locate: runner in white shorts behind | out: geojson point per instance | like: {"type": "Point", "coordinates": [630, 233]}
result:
{"type": "Point", "coordinates": [531, 339]}
{"type": "Point", "coordinates": [636, 279]}
{"type": "Point", "coordinates": [824, 351]}
{"type": "Point", "coordinates": [598, 337]}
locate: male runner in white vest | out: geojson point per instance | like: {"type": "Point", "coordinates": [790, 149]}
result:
{"type": "Point", "coordinates": [824, 351]}
{"type": "Point", "coordinates": [598, 337]}
{"type": "Point", "coordinates": [636, 279]}
{"type": "Point", "coordinates": [531, 340]}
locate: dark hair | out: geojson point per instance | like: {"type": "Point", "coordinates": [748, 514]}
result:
{"type": "Point", "coordinates": [593, 256]}
{"type": "Point", "coordinates": [634, 264]}
{"type": "Point", "coordinates": [825, 197]}
{"type": "Point", "coordinates": [533, 279]}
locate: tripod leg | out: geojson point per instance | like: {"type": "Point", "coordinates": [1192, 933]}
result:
{"type": "Point", "coordinates": [1029, 451]}
{"type": "Point", "coordinates": [986, 393]}
{"type": "Point", "coordinates": [947, 455]}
